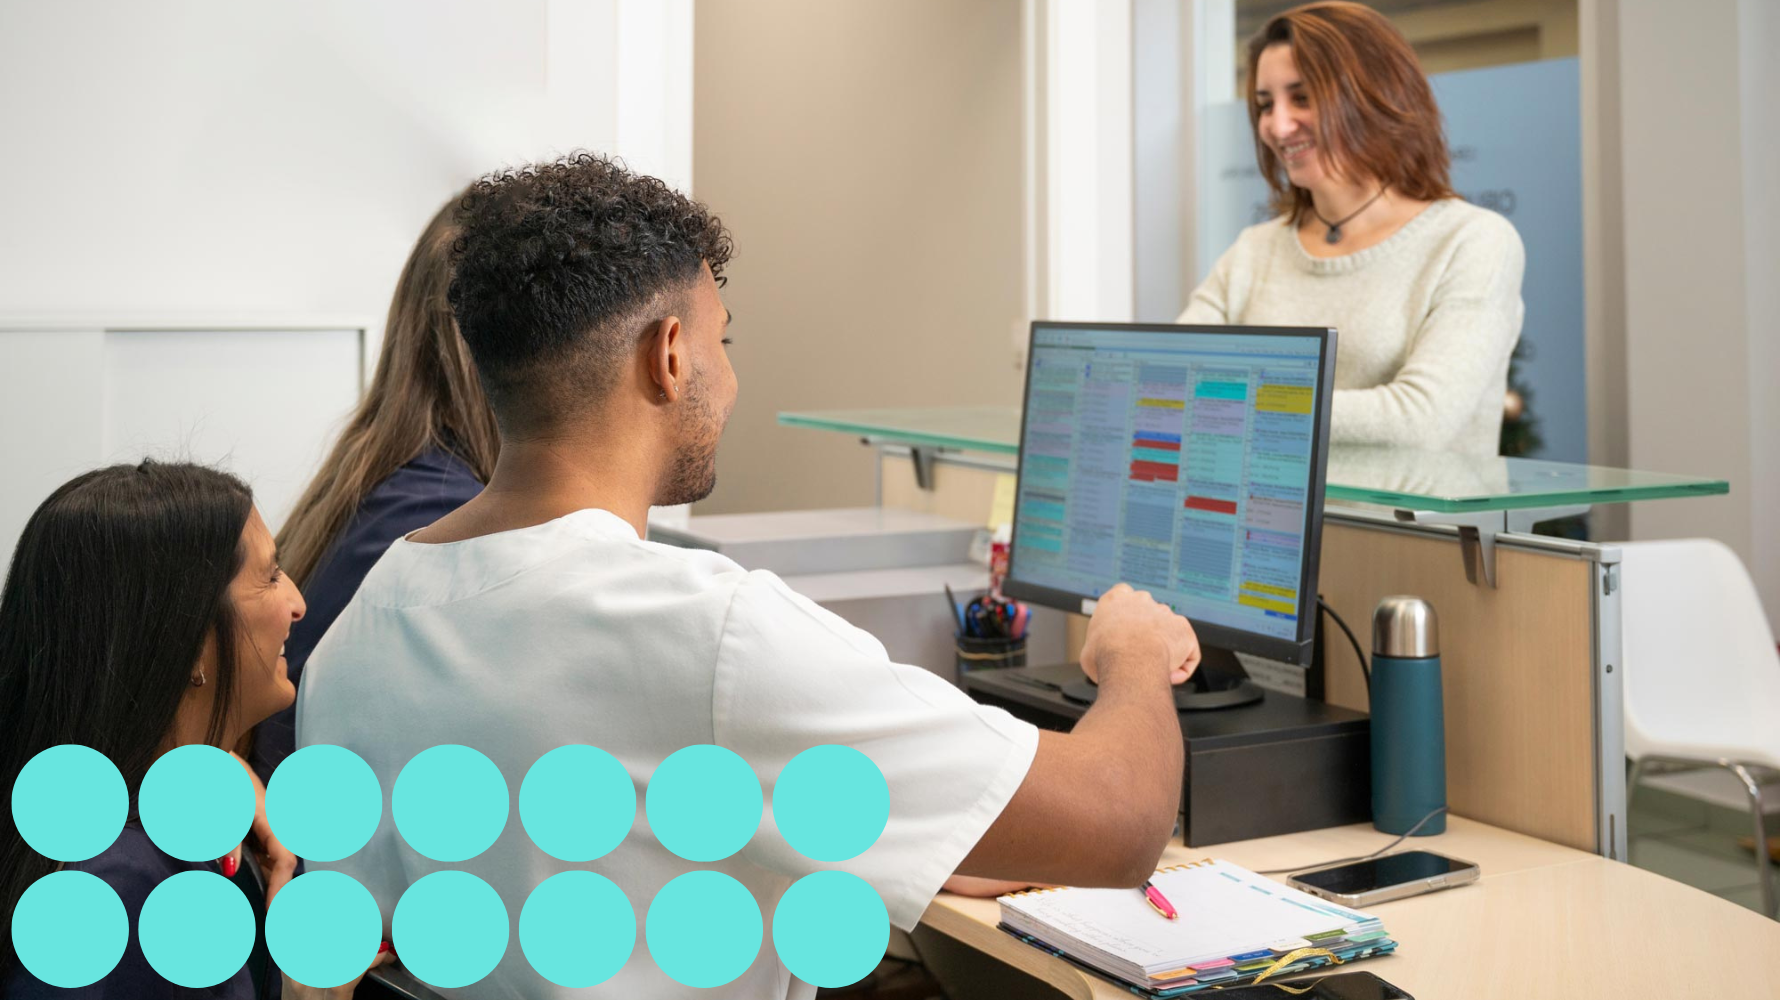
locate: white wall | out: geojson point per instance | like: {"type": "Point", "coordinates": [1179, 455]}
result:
{"type": "Point", "coordinates": [214, 163]}
{"type": "Point", "coordinates": [1758, 36]}
{"type": "Point", "coordinates": [1088, 199]}
{"type": "Point", "coordinates": [217, 155]}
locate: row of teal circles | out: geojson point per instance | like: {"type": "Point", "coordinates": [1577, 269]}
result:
{"type": "Point", "coordinates": [577, 929]}
{"type": "Point", "coordinates": [450, 803]}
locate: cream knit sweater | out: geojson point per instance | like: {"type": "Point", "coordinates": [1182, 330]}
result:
{"type": "Point", "coordinates": [1425, 321]}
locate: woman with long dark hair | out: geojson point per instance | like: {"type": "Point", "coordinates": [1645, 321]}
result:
{"type": "Point", "coordinates": [1370, 237]}
{"type": "Point", "coordinates": [421, 444]}
{"type": "Point", "coordinates": [144, 610]}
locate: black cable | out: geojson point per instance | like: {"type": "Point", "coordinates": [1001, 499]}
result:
{"type": "Point", "coordinates": [1363, 857]}
{"type": "Point", "coordinates": [1365, 671]}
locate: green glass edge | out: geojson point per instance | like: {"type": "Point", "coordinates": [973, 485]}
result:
{"type": "Point", "coordinates": [1522, 501]}
{"type": "Point", "coordinates": [898, 434]}
{"type": "Point", "coordinates": [1333, 491]}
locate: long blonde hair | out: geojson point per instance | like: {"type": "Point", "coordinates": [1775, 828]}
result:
{"type": "Point", "coordinates": [425, 393]}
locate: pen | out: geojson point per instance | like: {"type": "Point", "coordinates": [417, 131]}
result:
{"type": "Point", "coordinates": [1159, 902]}
{"type": "Point", "coordinates": [952, 603]}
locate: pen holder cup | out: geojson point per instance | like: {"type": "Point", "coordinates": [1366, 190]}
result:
{"type": "Point", "coordinates": [989, 654]}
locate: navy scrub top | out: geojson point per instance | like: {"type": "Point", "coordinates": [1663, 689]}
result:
{"type": "Point", "coordinates": [132, 866]}
{"type": "Point", "coordinates": [431, 485]}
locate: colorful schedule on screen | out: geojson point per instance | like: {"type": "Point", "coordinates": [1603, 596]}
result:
{"type": "Point", "coordinates": [1179, 460]}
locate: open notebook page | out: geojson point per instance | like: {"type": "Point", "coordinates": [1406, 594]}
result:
{"type": "Point", "coordinates": [1224, 910]}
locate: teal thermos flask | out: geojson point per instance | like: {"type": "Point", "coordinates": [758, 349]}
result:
{"type": "Point", "coordinates": [1408, 725]}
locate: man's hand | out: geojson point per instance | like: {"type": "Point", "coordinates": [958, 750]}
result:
{"type": "Point", "coordinates": [1130, 627]}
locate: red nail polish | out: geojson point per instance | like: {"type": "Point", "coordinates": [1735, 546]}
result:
{"type": "Point", "coordinates": [229, 865]}
{"type": "Point", "coordinates": [384, 946]}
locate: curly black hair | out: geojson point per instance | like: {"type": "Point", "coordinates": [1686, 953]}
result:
{"type": "Point", "coordinates": [553, 263]}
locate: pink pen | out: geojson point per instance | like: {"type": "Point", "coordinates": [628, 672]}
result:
{"type": "Point", "coordinates": [1159, 902]}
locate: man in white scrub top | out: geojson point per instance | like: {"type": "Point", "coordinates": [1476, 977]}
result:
{"type": "Point", "coordinates": [536, 616]}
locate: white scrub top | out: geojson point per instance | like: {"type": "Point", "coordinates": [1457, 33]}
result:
{"type": "Point", "coordinates": [578, 632]}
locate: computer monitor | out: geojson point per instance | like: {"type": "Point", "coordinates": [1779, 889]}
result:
{"type": "Point", "coordinates": [1187, 461]}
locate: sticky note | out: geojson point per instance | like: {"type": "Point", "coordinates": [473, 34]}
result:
{"type": "Point", "coordinates": [1001, 509]}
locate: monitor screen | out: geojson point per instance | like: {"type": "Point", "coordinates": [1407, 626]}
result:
{"type": "Point", "coordinates": [1187, 461]}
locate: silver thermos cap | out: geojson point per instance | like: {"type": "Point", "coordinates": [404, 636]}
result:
{"type": "Point", "coordinates": [1405, 628]}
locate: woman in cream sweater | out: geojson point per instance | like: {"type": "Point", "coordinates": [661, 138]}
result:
{"type": "Point", "coordinates": [1371, 239]}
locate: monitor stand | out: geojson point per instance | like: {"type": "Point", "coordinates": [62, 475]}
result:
{"type": "Point", "coordinates": [1220, 682]}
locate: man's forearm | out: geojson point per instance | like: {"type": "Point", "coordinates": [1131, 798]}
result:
{"type": "Point", "coordinates": [1135, 730]}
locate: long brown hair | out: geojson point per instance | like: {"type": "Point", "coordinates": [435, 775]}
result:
{"type": "Point", "coordinates": [424, 394]}
{"type": "Point", "coordinates": [1376, 116]}
{"type": "Point", "coordinates": [119, 583]}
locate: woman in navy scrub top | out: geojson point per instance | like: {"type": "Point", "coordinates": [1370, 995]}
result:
{"type": "Point", "coordinates": [144, 610]}
{"type": "Point", "coordinates": [421, 444]}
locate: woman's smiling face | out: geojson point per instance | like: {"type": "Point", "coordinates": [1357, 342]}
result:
{"type": "Point", "coordinates": [266, 604]}
{"type": "Point", "coordinates": [1285, 120]}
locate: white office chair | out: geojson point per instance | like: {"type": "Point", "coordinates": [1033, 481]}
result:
{"type": "Point", "coordinates": [1702, 677]}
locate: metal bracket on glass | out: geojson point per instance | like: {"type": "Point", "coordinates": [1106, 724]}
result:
{"type": "Point", "coordinates": [1478, 531]}
{"type": "Point", "coordinates": [923, 458]}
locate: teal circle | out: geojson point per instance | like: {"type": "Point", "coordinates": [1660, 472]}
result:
{"type": "Point", "coordinates": [69, 803]}
{"type": "Point", "coordinates": [831, 803]}
{"type": "Point", "coordinates": [831, 929]}
{"type": "Point", "coordinates": [450, 803]}
{"type": "Point", "coordinates": [196, 929]}
{"type": "Point", "coordinates": [196, 803]}
{"type": "Point", "coordinates": [323, 928]}
{"type": "Point", "coordinates": [704, 803]}
{"type": "Point", "coordinates": [703, 929]}
{"type": "Point", "coordinates": [324, 803]}
{"type": "Point", "coordinates": [450, 929]}
{"type": "Point", "coordinates": [69, 929]}
{"type": "Point", "coordinates": [577, 803]}
{"type": "Point", "coordinates": [577, 929]}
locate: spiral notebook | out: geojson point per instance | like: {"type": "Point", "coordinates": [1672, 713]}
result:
{"type": "Point", "coordinates": [1233, 926]}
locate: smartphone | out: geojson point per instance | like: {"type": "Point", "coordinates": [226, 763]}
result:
{"type": "Point", "coordinates": [1346, 986]}
{"type": "Point", "coordinates": [1379, 880]}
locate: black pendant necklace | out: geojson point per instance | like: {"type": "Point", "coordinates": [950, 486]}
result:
{"type": "Point", "coordinates": [1334, 233]}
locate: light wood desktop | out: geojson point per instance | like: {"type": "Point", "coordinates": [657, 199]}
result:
{"type": "Point", "coordinates": [1544, 921]}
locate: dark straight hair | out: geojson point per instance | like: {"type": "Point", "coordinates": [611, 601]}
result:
{"type": "Point", "coordinates": [119, 581]}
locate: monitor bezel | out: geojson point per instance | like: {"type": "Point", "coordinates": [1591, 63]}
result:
{"type": "Point", "coordinates": [1297, 650]}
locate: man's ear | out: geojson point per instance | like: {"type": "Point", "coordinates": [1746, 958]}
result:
{"type": "Point", "coordinates": [667, 360]}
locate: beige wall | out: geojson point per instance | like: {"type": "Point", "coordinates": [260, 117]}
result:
{"type": "Point", "coordinates": [868, 157]}
{"type": "Point", "coordinates": [1694, 398]}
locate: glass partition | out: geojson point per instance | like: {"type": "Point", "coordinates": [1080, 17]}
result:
{"type": "Point", "coordinates": [1396, 477]}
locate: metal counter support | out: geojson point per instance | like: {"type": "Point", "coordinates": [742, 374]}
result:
{"type": "Point", "coordinates": [1478, 531]}
{"type": "Point", "coordinates": [925, 458]}
{"type": "Point", "coordinates": [1609, 664]}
